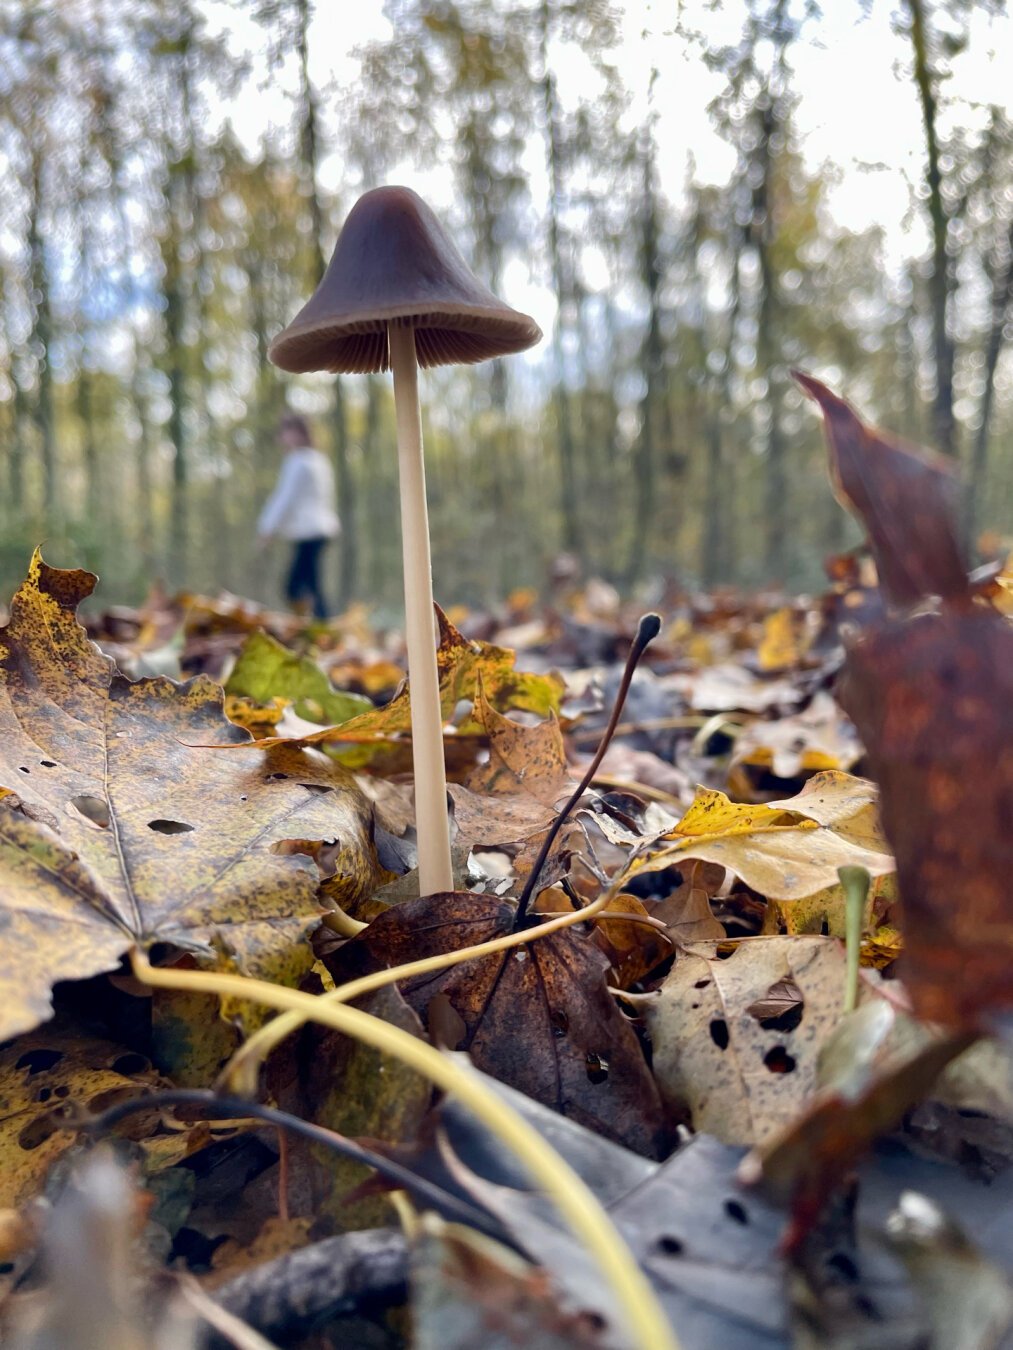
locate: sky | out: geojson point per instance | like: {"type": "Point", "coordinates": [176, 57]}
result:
{"type": "Point", "coordinates": [858, 109]}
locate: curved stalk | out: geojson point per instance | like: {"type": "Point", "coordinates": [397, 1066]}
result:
{"type": "Point", "coordinates": [646, 1322]}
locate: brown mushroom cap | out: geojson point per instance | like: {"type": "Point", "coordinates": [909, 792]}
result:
{"type": "Point", "coordinates": [395, 263]}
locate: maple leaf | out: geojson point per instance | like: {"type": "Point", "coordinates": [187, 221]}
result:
{"type": "Point", "coordinates": [117, 831]}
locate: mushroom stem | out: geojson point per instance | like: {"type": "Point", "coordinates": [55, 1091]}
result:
{"type": "Point", "coordinates": [432, 822]}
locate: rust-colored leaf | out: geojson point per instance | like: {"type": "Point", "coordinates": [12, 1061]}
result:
{"type": "Point", "coordinates": [539, 1017]}
{"type": "Point", "coordinates": [905, 497]}
{"type": "Point", "coordinates": [933, 700]}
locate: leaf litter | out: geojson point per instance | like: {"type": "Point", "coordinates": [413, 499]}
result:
{"type": "Point", "coordinates": [703, 1003]}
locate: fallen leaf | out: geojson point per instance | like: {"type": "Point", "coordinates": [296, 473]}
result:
{"type": "Point", "coordinates": [784, 641]}
{"type": "Point", "coordinates": [467, 1290]}
{"type": "Point", "coordinates": [526, 760]}
{"type": "Point", "coordinates": [932, 698]}
{"type": "Point", "coordinates": [265, 671]}
{"type": "Point", "coordinates": [818, 738]}
{"type": "Point", "coordinates": [742, 1080]}
{"type": "Point", "coordinates": [969, 1299]}
{"type": "Point", "coordinates": [363, 1094]}
{"type": "Point", "coordinates": [125, 833]}
{"type": "Point", "coordinates": [539, 1017]}
{"type": "Point", "coordinates": [868, 1081]}
{"type": "Point", "coordinates": [462, 666]}
{"type": "Point", "coordinates": [50, 1079]}
{"type": "Point", "coordinates": [785, 850]}
{"type": "Point", "coordinates": [906, 498]}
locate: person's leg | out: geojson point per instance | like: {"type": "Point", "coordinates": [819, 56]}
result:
{"type": "Point", "coordinates": [297, 584]}
{"type": "Point", "coordinates": [315, 587]}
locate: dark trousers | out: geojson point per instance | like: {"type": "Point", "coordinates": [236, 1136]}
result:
{"type": "Point", "coordinates": [304, 576]}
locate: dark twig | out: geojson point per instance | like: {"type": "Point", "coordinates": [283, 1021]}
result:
{"type": "Point", "coordinates": [647, 630]}
{"type": "Point", "coordinates": [236, 1108]}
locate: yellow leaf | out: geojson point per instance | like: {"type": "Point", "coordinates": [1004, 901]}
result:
{"type": "Point", "coordinates": [785, 850]}
{"type": "Point", "coordinates": [783, 643]}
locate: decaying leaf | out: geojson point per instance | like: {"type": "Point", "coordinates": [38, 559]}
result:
{"type": "Point", "coordinates": [123, 832]}
{"type": "Point", "coordinates": [906, 497]}
{"type": "Point", "coordinates": [462, 665]}
{"type": "Point", "coordinates": [526, 760]}
{"type": "Point", "coordinates": [52, 1079]}
{"type": "Point", "coordinates": [785, 850]}
{"type": "Point", "coordinates": [266, 671]}
{"type": "Point", "coordinates": [932, 698]}
{"type": "Point", "coordinates": [818, 738]}
{"type": "Point", "coordinates": [868, 1080]}
{"type": "Point", "coordinates": [468, 1290]}
{"type": "Point", "coordinates": [743, 1069]}
{"type": "Point", "coordinates": [539, 1017]}
{"type": "Point", "coordinates": [968, 1297]}
{"type": "Point", "coordinates": [359, 1092]}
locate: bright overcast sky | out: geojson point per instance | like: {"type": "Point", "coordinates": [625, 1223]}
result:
{"type": "Point", "coordinates": [858, 107]}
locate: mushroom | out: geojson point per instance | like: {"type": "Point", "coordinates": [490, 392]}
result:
{"type": "Point", "coordinates": [398, 295]}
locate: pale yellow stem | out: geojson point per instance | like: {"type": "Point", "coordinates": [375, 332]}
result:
{"type": "Point", "coordinates": [646, 1323]}
{"type": "Point", "coordinates": [431, 817]}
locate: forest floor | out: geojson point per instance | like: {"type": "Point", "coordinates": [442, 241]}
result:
{"type": "Point", "coordinates": [717, 1087]}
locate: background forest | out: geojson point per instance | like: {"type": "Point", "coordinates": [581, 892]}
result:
{"type": "Point", "coordinates": [150, 248]}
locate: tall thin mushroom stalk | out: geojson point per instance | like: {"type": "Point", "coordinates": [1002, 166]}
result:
{"type": "Point", "coordinates": [397, 295]}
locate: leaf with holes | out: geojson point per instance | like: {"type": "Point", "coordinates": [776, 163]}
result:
{"type": "Point", "coordinates": [730, 1046]}
{"type": "Point", "coordinates": [52, 1077]}
{"type": "Point", "coordinates": [118, 831]}
{"type": "Point", "coordinates": [538, 1017]}
{"type": "Point", "coordinates": [785, 850]}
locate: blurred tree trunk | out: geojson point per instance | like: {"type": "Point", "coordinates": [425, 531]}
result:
{"type": "Point", "coordinates": [41, 339]}
{"type": "Point", "coordinates": [18, 412]}
{"type": "Point", "coordinates": [1001, 315]}
{"type": "Point", "coordinates": [145, 523]}
{"type": "Point", "coordinates": [175, 318]}
{"type": "Point", "coordinates": [768, 350]}
{"type": "Point", "coordinates": [571, 534]}
{"type": "Point", "coordinates": [941, 277]}
{"type": "Point", "coordinates": [719, 535]}
{"type": "Point", "coordinates": [309, 151]}
{"type": "Point", "coordinates": [95, 496]}
{"type": "Point", "coordinates": [654, 404]}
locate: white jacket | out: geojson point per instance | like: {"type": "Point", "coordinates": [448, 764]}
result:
{"type": "Point", "coordinates": [302, 503]}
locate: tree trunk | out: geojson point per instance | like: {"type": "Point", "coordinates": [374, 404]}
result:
{"type": "Point", "coordinates": [42, 335]}
{"type": "Point", "coordinates": [768, 353]}
{"type": "Point", "coordinates": [653, 404]}
{"type": "Point", "coordinates": [1001, 314]}
{"type": "Point", "coordinates": [941, 280]}
{"type": "Point", "coordinates": [348, 541]}
{"type": "Point", "coordinates": [572, 540]}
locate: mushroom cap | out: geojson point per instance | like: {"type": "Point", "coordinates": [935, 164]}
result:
{"type": "Point", "coordinates": [395, 263]}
